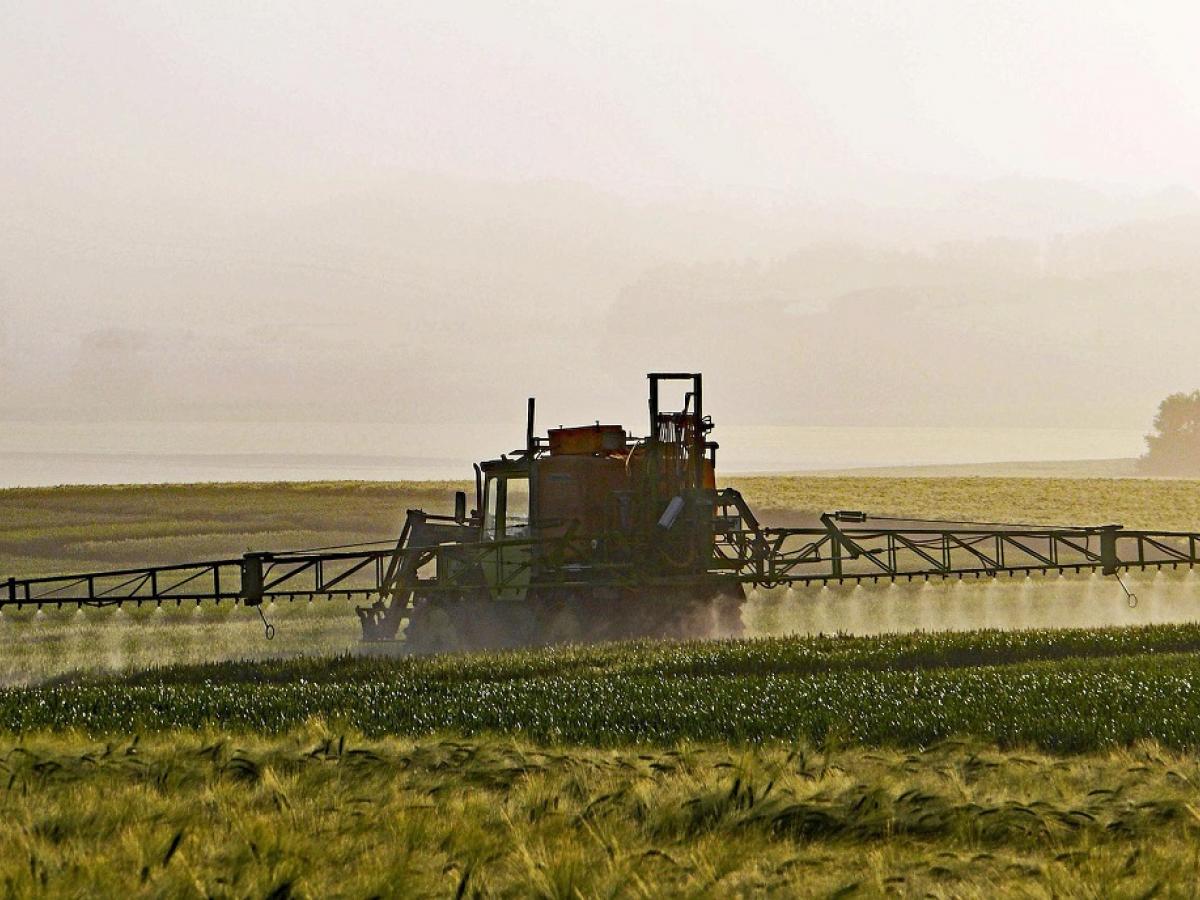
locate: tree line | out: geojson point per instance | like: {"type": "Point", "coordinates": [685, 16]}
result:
{"type": "Point", "coordinates": [1173, 448]}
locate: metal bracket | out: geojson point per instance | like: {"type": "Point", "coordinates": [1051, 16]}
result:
{"type": "Point", "coordinates": [268, 627]}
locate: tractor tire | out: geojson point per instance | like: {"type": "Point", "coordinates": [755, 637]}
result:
{"type": "Point", "coordinates": [432, 628]}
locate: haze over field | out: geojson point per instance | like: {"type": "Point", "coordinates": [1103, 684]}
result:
{"type": "Point", "coordinates": [932, 214]}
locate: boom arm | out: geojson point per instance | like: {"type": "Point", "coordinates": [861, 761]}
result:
{"type": "Point", "coordinates": [851, 546]}
{"type": "Point", "coordinates": [847, 547]}
{"type": "Point", "coordinates": [251, 580]}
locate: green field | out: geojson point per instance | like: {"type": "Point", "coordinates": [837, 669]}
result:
{"type": "Point", "coordinates": [1036, 763]}
{"type": "Point", "coordinates": [1134, 503]}
{"type": "Point", "coordinates": [1072, 691]}
{"type": "Point", "coordinates": [175, 752]}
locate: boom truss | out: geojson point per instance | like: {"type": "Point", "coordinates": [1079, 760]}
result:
{"type": "Point", "coordinates": [844, 547]}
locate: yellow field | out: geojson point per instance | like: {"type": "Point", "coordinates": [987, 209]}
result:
{"type": "Point", "coordinates": [1132, 502]}
{"type": "Point", "coordinates": [46, 530]}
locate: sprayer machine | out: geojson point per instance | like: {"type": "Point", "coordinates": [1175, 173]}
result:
{"type": "Point", "coordinates": [591, 533]}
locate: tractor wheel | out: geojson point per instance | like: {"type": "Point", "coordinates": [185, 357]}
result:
{"type": "Point", "coordinates": [447, 624]}
{"type": "Point", "coordinates": [432, 628]}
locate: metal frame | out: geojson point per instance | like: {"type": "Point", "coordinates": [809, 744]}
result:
{"type": "Point", "coordinates": [765, 557]}
{"type": "Point", "coordinates": [253, 579]}
{"type": "Point", "coordinates": [776, 556]}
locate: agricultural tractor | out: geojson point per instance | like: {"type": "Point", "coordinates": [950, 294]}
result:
{"type": "Point", "coordinates": [591, 533]}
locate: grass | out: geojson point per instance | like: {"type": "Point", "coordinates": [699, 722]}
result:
{"type": "Point", "coordinates": [1062, 691]}
{"type": "Point", "coordinates": [322, 813]}
{"type": "Point", "coordinates": [821, 655]}
{"type": "Point", "coordinates": [45, 531]}
{"type": "Point", "coordinates": [1080, 468]}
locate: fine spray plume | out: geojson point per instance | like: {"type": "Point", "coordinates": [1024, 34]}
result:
{"type": "Point", "coordinates": [1090, 600]}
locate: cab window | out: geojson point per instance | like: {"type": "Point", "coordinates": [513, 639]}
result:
{"type": "Point", "coordinates": [516, 509]}
{"type": "Point", "coordinates": [490, 505]}
{"type": "Point", "coordinates": [506, 508]}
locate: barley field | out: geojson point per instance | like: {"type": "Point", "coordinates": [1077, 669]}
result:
{"type": "Point", "coordinates": [323, 813]}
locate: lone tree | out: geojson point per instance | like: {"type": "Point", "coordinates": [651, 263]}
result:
{"type": "Point", "coordinates": [1174, 447]}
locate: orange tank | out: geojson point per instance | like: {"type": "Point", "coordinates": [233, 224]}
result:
{"type": "Point", "coordinates": [578, 493]}
{"type": "Point", "coordinates": [587, 440]}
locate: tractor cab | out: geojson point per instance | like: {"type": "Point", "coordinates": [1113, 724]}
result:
{"type": "Point", "coordinates": [504, 509]}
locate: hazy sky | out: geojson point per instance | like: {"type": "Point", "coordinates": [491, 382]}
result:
{"type": "Point", "coordinates": [219, 208]}
{"type": "Point", "coordinates": [205, 97]}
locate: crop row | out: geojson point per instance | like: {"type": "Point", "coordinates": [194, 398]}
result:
{"type": "Point", "coordinates": [808, 655]}
{"type": "Point", "coordinates": [1069, 705]}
